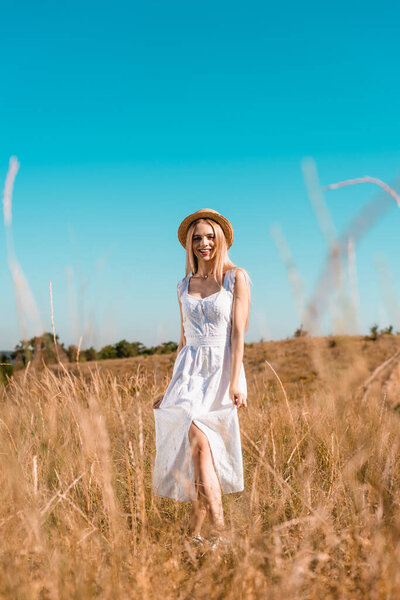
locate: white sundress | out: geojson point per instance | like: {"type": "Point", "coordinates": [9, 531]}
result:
{"type": "Point", "coordinates": [199, 392]}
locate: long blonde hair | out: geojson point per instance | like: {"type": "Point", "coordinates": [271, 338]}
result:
{"type": "Point", "coordinates": [222, 262]}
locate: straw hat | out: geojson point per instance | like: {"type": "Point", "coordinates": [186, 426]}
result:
{"type": "Point", "coordinates": [206, 213]}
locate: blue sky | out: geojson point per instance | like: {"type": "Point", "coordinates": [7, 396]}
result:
{"type": "Point", "coordinates": [127, 116]}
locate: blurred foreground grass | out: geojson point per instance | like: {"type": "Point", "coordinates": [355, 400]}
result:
{"type": "Point", "coordinates": [319, 516]}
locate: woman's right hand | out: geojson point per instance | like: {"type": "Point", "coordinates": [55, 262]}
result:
{"type": "Point", "coordinates": [238, 398]}
{"type": "Point", "coordinates": [158, 401]}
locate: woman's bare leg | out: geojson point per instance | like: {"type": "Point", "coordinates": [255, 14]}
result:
{"type": "Point", "coordinates": [198, 514]}
{"type": "Point", "coordinates": [199, 506]}
{"type": "Point", "coordinates": [207, 484]}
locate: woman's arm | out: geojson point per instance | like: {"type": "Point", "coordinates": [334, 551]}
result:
{"type": "Point", "coordinates": [240, 312]}
{"type": "Point", "coordinates": [182, 340]}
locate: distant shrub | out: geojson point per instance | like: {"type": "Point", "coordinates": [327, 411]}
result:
{"type": "Point", "coordinates": [148, 351]}
{"type": "Point", "coordinates": [89, 354]}
{"type": "Point", "coordinates": [374, 332]}
{"type": "Point", "coordinates": [42, 348]}
{"type": "Point", "coordinates": [72, 352]}
{"type": "Point", "coordinates": [300, 332]}
{"type": "Point", "coordinates": [387, 330]}
{"type": "Point", "coordinates": [168, 347]}
{"type": "Point", "coordinates": [108, 352]}
{"type": "Point", "coordinates": [6, 370]}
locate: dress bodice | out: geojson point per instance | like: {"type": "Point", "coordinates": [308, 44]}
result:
{"type": "Point", "coordinates": [208, 318]}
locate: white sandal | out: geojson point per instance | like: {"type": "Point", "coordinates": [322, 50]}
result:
{"type": "Point", "coordinates": [219, 542]}
{"type": "Point", "coordinates": [198, 540]}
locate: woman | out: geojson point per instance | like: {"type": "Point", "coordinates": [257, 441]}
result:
{"type": "Point", "coordinates": [198, 448]}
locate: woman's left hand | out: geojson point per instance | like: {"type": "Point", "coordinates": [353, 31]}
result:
{"type": "Point", "coordinates": [238, 398]}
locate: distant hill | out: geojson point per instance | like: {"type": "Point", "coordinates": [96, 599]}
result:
{"type": "Point", "coordinates": [304, 363]}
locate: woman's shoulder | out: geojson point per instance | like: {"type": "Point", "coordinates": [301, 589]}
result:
{"type": "Point", "coordinates": [241, 280]}
{"type": "Point", "coordinates": [181, 284]}
{"type": "Point", "coordinates": [232, 276]}
{"type": "Point", "coordinates": [239, 273]}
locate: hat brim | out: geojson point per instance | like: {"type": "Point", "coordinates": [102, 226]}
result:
{"type": "Point", "coordinates": [206, 213]}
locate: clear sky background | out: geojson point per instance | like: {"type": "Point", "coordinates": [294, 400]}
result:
{"type": "Point", "coordinates": [127, 116]}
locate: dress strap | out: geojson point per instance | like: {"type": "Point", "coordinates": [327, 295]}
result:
{"type": "Point", "coordinates": [182, 285]}
{"type": "Point", "coordinates": [229, 280]}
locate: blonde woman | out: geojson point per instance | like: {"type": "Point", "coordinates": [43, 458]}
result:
{"type": "Point", "coordinates": [198, 447]}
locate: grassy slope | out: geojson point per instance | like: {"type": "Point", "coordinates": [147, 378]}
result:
{"type": "Point", "coordinates": [319, 516]}
{"type": "Point", "coordinates": [302, 364]}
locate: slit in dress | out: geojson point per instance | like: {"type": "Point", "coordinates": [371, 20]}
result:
{"type": "Point", "coordinates": [211, 451]}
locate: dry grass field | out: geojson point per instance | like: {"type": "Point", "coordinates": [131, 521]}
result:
{"type": "Point", "coordinates": [319, 517]}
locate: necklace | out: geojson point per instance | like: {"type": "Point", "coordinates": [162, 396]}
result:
{"type": "Point", "coordinates": [200, 277]}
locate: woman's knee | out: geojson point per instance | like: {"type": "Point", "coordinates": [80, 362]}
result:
{"type": "Point", "coordinates": [199, 442]}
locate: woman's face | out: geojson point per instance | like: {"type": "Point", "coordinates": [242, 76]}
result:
{"type": "Point", "coordinates": [204, 242]}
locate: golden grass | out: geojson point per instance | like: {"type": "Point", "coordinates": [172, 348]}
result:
{"type": "Point", "coordinates": [319, 517]}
